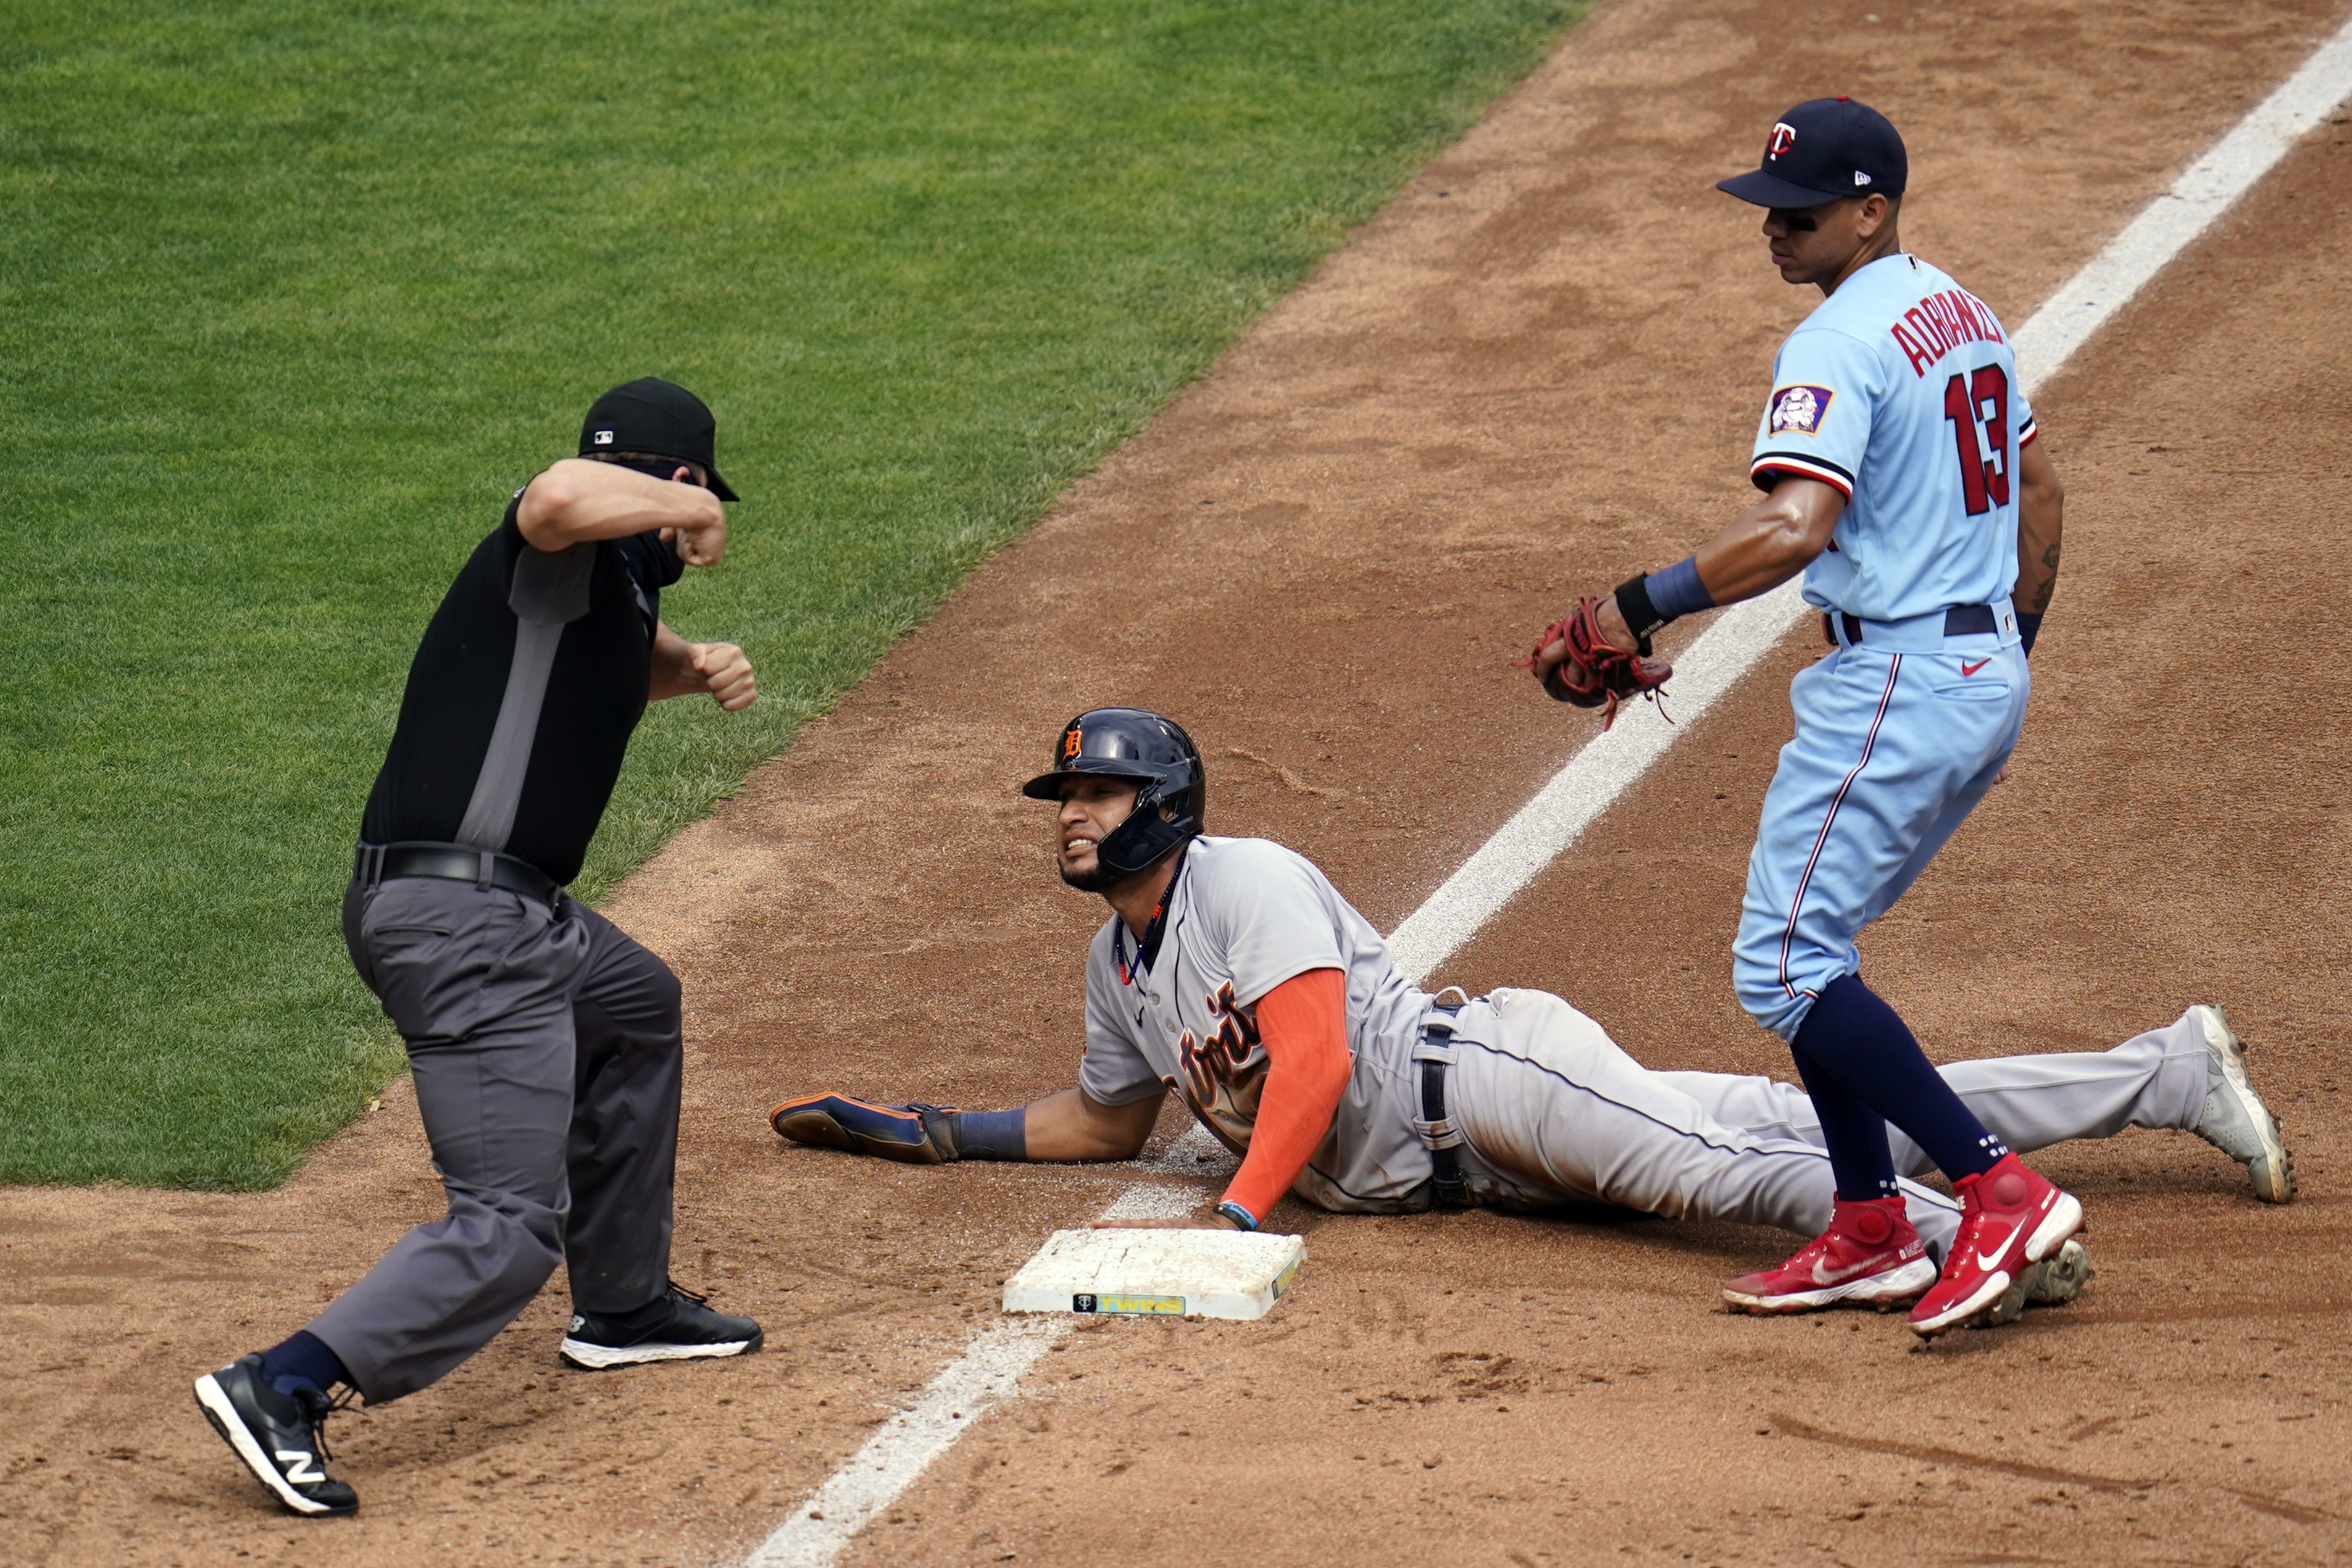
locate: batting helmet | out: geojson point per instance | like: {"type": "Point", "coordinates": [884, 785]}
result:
{"type": "Point", "coordinates": [1153, 753]}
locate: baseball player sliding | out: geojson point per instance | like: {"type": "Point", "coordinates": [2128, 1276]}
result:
{"type": "Point", "coordinates": [1897, 455]}
{"type": "Point", "coordinates": [1232, 971]}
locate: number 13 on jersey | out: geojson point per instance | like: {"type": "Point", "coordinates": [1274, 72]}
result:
{"type": "Point", "coordinates": [1973, 400]}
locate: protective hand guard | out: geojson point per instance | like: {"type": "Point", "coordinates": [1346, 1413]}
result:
{"type": "Point", "coordinates": [916, 1133]}
{"type": "Point", "coordinates": [1596, 670]}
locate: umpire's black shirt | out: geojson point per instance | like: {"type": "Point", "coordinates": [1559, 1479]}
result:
{"type": "Point", "coordinates": [522, 697]}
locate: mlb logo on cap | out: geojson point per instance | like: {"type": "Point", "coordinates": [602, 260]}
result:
{"type": "Point", "coordinates": [603, 437]}
{"type": "Point", "coordinates": [1821, 151]}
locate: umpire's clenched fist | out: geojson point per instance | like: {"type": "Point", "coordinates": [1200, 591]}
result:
{"type": "Point", "coordinates": [725, 672]}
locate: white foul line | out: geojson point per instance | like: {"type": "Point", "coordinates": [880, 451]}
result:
{"type": "Point", "coordinates": [990, 1367]}
{"type": "Point", "coordinates": [907, 1443]}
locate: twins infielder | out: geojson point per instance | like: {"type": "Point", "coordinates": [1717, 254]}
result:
{"type": "Point", "coordinates": [1898, 449]}
{"type": "Point", "coordinates": [1233, 972]}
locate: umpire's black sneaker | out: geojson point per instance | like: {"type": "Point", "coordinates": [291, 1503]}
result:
{"type": "Point", "coordinates": [279, 1436]}
{"type": "Point", "coordinates": [674, 1326]}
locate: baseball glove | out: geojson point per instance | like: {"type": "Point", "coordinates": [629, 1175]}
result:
{"type": "Point", "coordinates": [1596, 670]}
{"type": "Point", "coordinates": [918, 1134]}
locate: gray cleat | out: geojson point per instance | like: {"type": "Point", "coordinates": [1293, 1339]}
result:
{"type": "Point", "coordinates": [2053, 1282]}
{"type": "Point", "coordinates": [2235, 1121]}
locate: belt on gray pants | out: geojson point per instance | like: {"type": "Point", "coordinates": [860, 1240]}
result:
{"type": "Point", "coordinates": [486, 868]}
{"type": "Point", "coordinates": [1444, 1164]}
{"type": "Point", "coordinates": [1959, 621]}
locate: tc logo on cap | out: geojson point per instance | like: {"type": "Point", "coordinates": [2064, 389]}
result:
{"type": "Point", "coordinates": [1783, 137]}
{"type": "Point", "coordinates": [603, 437]}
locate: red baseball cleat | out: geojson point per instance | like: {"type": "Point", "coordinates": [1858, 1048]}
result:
{"type": "Point", "coordinates": [1870, 1254]}
{"type": "Point", "coordinates": [2011, 1218]}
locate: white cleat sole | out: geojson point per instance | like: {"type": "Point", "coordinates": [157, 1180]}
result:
{"type": "Point", "coordinates": [1880, 1290]}
{"type": "Point", "coordinates": [599, 1358]}
{"type": "Point", "coordinates": [2273, 1170]}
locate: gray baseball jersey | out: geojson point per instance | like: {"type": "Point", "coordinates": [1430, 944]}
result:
{"type": "Point", "coordinates": [1244, 915]}
{"type": "Point", "coordinates": [1550, 1110]}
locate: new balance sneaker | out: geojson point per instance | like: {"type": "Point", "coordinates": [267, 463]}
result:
{"type": "Point", "coordinates": [2011, 1218]}
{"type": "Point", "coordinates": [2235, 1121]}
{"type": "Point", "coordinates": [279, 1436]}
{"type": "Point", "coordinates": [1869, 1255]}
{"type": "Point", "coordinates": [2053, 1282]}
{"type": "Point", "coordinates": [676, 1326]}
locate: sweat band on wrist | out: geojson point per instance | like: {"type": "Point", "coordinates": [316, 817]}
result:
{"type": "Point", "coordinates": [2028, 626]}
{"type": "Point", "coordinates": [1642, 617]}
{"type": "Point", "coordinates": [1238, 1215]}
{"type": "Point", "coordinates": [1677, 591]}
{"type": "Point", "coordinates": [992, 1134]}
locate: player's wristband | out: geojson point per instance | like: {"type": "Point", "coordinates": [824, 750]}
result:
{"type": "Point", "coordinates": [1243, 1219]}
{"type": "Point", "coordinates": [2028, 628]}
{"type": "Point", "coordinates": [992, 1134]}
{"type": "Point", "coordinates": [1649, 602]}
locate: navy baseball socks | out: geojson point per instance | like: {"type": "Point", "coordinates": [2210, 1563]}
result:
{"type": "Point", "coordinates": [676, 1325]}
{"type": "Point", "coordinates": [1861, 1067]}
{"type": "Point", "coordinates": [1859, 1063]}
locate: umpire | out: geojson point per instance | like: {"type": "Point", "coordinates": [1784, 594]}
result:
{"type": "Point", "coordinates": [544, 1044]}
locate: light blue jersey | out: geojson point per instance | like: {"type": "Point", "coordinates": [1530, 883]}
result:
{"type": "Point", "coordinates": [1901, 390]}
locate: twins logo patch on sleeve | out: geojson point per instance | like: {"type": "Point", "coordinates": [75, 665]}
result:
{"type": "Point", "coordinates": [1799, 410]}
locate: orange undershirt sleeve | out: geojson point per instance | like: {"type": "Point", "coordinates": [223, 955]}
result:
{"type": "Point", "coordinates": [1303, 1024]}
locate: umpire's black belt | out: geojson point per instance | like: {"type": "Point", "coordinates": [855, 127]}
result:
{"type": "Point", "coordinates": [1444, 1151]}
{"type": "Point", "coordinates": [1959, 621]}
{"type": "Point", "coordinates": [486, 868]}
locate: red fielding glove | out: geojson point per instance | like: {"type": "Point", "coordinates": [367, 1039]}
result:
{"type": "Point", "coordinates": [1596, 670]}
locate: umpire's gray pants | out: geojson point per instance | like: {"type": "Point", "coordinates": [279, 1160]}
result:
{"type": "Point", "coordinates": [546, 1052]}
{"type": "Point", "coordinates": [1551, 1112]}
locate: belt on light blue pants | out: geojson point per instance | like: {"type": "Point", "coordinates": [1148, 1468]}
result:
{"type": "Point", "coordinates": [1922, 634]}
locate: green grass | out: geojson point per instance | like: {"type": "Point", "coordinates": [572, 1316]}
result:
{"type": "Point", "coordinates": [293, 295]}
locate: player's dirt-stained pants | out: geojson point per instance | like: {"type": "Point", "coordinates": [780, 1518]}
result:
{"type": "Point", "coordinates": [545, 1046]}
{"type": "Point", "coordinates": [1552, 1112]}
{"type": "Point", "coordinates": [1897, 738]}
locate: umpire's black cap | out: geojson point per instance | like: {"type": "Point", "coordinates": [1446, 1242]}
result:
{"type": "Point", "coordinates": [656, 416]}
{"type": "Point", "coordinates": [1821, 151]}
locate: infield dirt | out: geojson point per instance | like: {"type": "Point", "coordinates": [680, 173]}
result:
{"type": "Point", "coordinates": [1534, 372]}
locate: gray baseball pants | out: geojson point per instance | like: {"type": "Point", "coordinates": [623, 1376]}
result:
{"type": "Point", "coordinates": [1551, 1112]}
{"type": "Point", "coordinates": [546, 1051]}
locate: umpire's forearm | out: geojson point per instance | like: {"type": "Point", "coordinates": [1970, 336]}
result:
{"type": "Point", "coordinates": [577, 500]}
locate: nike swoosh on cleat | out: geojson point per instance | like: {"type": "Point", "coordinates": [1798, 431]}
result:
{"type": "Point", "coordinates": [1824, 1275]}
{"type": "Point", "coordinates": [1968, 668]}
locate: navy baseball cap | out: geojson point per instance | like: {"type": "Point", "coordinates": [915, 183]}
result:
{"type": "Point", "coordinates": [1821, 151]}
{"type": "Point", "coordinates": [659, 418]}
